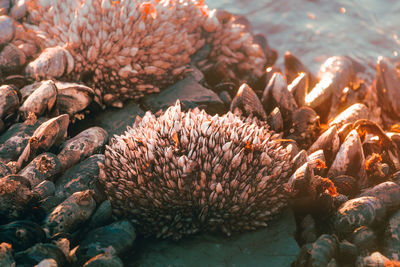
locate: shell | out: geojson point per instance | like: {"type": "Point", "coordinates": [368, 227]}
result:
{"type": "Point", "coordinates": [391, 245]}
{"type": "Point", "coordinates": [82, 145]}
{"type": "Point", "coordinates": [73, 98]}
{"type": "Point", "coordinates": [112, 47]}
{"type": "Point", "coordinates": [361, 211]}
{"type": "Point", "coordinates": [43, 167]}
{"type": "Point", "coordinates": [71, 213]}
{"type": "Point", "coordinates": [115, 238]}
{"type": "Point", "coordinates": [41, 100]}
{"type": "Point", "coordinates": [9, 100]}
{"type": "Point", "coordinates": [52, 63]}
{"type": "Point", "coordinates": [350, 160]}
{"type": "Point", "coordinates": [329, 142]}
{"type": "Point", "coordinates": [22, 234]}
{"type": "Point", "coordinates": [388, 193]}
{"type": "Point", "coordinates": [247, 101]}
{"type": "Point", "coordinates": [298, 88]}
{"type": "Point", "coordinates": [15, 195]}
{"type": "Point", "coordinates": [293, 67]}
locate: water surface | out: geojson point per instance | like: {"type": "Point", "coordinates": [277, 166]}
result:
{"type": "Point", "coordinates": [315, 30]}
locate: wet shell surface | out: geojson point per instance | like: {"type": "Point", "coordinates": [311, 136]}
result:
{"type": "Point", "coordinates": [184, 172]}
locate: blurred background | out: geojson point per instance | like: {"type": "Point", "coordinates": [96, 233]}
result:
{"type": "Point", "coordinates": [315, 30]}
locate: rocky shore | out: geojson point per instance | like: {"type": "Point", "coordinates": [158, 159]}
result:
{"type": "Point", "coordinates": [308, 174]}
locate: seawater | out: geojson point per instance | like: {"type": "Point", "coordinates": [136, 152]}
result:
{"type": "Point", "coordinates": [315, 30]}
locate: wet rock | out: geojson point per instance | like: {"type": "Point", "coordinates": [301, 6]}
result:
{"type": "Point", "coordinates": [113, 120]}
{"type": "Point", "coordinates": [244, 249]}
{"type": "Point", "coordinates": [11, 59]}
{"type": "Point", "coordinates": [22, 234]}
{"type": "Point", "coordinates": [115, 239]}
{"type": "Point", "coordinates": [80, 177]}
{"type": "Point", "coordinates": [7, 29]}
{"type": "Point", "coordinates": [15, 194]}
{"type": "Point", "coordinates": [39, 252]}
{"type": "Point", "coordinates": [6, 258]}
{"type": "Point", "coordinates": [347, 252]}
{"type": "Point", "coordinates": [41, 168]}
{"type": "Point", "coordinates": [71, 213]}
{"type": "Point", "coordinates": [190, 93]}
{"type": "Point", "coordinates": [308, 231]}
{"type": "Point", "coordinates": [104, 260]}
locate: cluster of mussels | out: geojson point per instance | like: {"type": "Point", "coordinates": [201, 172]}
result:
{"type": "Point", "coordinates": [326, 145]}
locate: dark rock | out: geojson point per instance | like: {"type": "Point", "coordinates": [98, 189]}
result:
{"type": "Point", "coordinates": [113, 120]}
{"type": "Point", "coordinates": [190, 93]}
{"type": "Point", "coordinates": [272, 246]}
{"type": "Point", "coordinates": [115, 238]}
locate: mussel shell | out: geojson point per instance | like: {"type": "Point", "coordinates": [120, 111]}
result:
{"type": "Point", "coordinates": [22, 234]}
{"type": "Point", "coordinates": [247, 101]}
{"type": "Point", "coordinates": [39, 252]}
{"type": "Point", "coordinates": [293, 67]}
{"type": "Point", "coordinates": [11, 59]}
{"type": "Point", "coordinates": [119, 236]}
{"type": "Point", "coordinates": [346, 185]}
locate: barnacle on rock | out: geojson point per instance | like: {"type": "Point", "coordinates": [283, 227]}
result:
{"type": "Point", "coordinates": [126, 49]}
{"type": "Point", "coordinates": [185, 172]}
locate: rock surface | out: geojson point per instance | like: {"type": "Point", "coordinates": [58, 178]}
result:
{"type": "Point", "coordinates": [190, 93]}
{"type": "Point", "coordinates": [272, 246]}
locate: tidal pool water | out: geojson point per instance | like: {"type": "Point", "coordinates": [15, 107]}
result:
{"type": "Point", "coordinates": [314, 30]}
